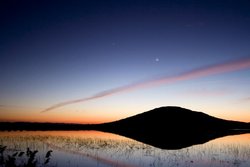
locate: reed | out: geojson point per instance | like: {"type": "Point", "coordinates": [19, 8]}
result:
{"type": "Point", "coordinates": [22, 159]}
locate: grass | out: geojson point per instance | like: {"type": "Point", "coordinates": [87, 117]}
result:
{"type": "Point", "coordinates": [22, 159]}
{"type": "Point", "coordinates": [217, 153]}
{"type": "Point", "coordinates": [209, 154]}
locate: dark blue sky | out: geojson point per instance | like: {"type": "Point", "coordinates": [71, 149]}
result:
{"type": "Point", "coordinates": [52, 51]}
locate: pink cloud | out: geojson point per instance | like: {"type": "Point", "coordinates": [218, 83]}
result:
{"type": "Point", "coordinates": [225, 67]}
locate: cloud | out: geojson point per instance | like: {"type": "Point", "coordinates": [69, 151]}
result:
{"type": "Point", "coordinates": [225, 67]}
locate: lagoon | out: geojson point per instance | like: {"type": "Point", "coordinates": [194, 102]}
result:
{"type": "Point", "coordinates": [95, 148]}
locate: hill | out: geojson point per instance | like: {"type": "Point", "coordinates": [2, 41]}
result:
{"type": "Point", "coordinates": [174, 127]}
{"type": "Point", "coordinates": [165, 127]}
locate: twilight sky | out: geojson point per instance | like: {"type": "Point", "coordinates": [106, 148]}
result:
{"type": "Point", "coordinates": [56, 52]}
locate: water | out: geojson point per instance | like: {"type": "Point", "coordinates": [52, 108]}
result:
{"type": "Point", "coordinates": [93, 148]}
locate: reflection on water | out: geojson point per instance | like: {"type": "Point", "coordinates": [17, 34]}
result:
{"type": "Point", "coordinates": [93, 148]}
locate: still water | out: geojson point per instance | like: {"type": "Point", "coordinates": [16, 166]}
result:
{"type": "Point", "coordinates": [94, 148]}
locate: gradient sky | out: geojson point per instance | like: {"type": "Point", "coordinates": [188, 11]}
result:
{"type": "Point", "coordinates": [58, 51]}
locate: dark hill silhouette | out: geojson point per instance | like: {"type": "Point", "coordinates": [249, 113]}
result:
{"type": "Point", "coordinates": [165, 127]}
{"type": "Point", "coordinates": [174, 127]}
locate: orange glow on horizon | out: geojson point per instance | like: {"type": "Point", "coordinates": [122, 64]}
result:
{"type": "Point", "coordinates": [13, 116]}
{"type": "Point", "coordinates": [33, 116]}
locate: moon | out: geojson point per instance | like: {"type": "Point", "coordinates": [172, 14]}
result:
{"type": "Point", "coordinates": [157, 59]}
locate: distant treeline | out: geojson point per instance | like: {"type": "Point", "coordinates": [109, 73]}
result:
{"type": "Point", "coordinates": [8, 126]}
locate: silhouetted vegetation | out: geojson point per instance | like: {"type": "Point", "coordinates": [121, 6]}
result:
{"type": "Point", "coordinates": [22, 159]}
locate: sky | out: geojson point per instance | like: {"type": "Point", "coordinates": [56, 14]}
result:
{"type": "Point", "coordinates": [121, 56]}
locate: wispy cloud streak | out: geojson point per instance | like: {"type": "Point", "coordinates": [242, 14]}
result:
{"type": "Point", "coordinates": [225, 67]}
